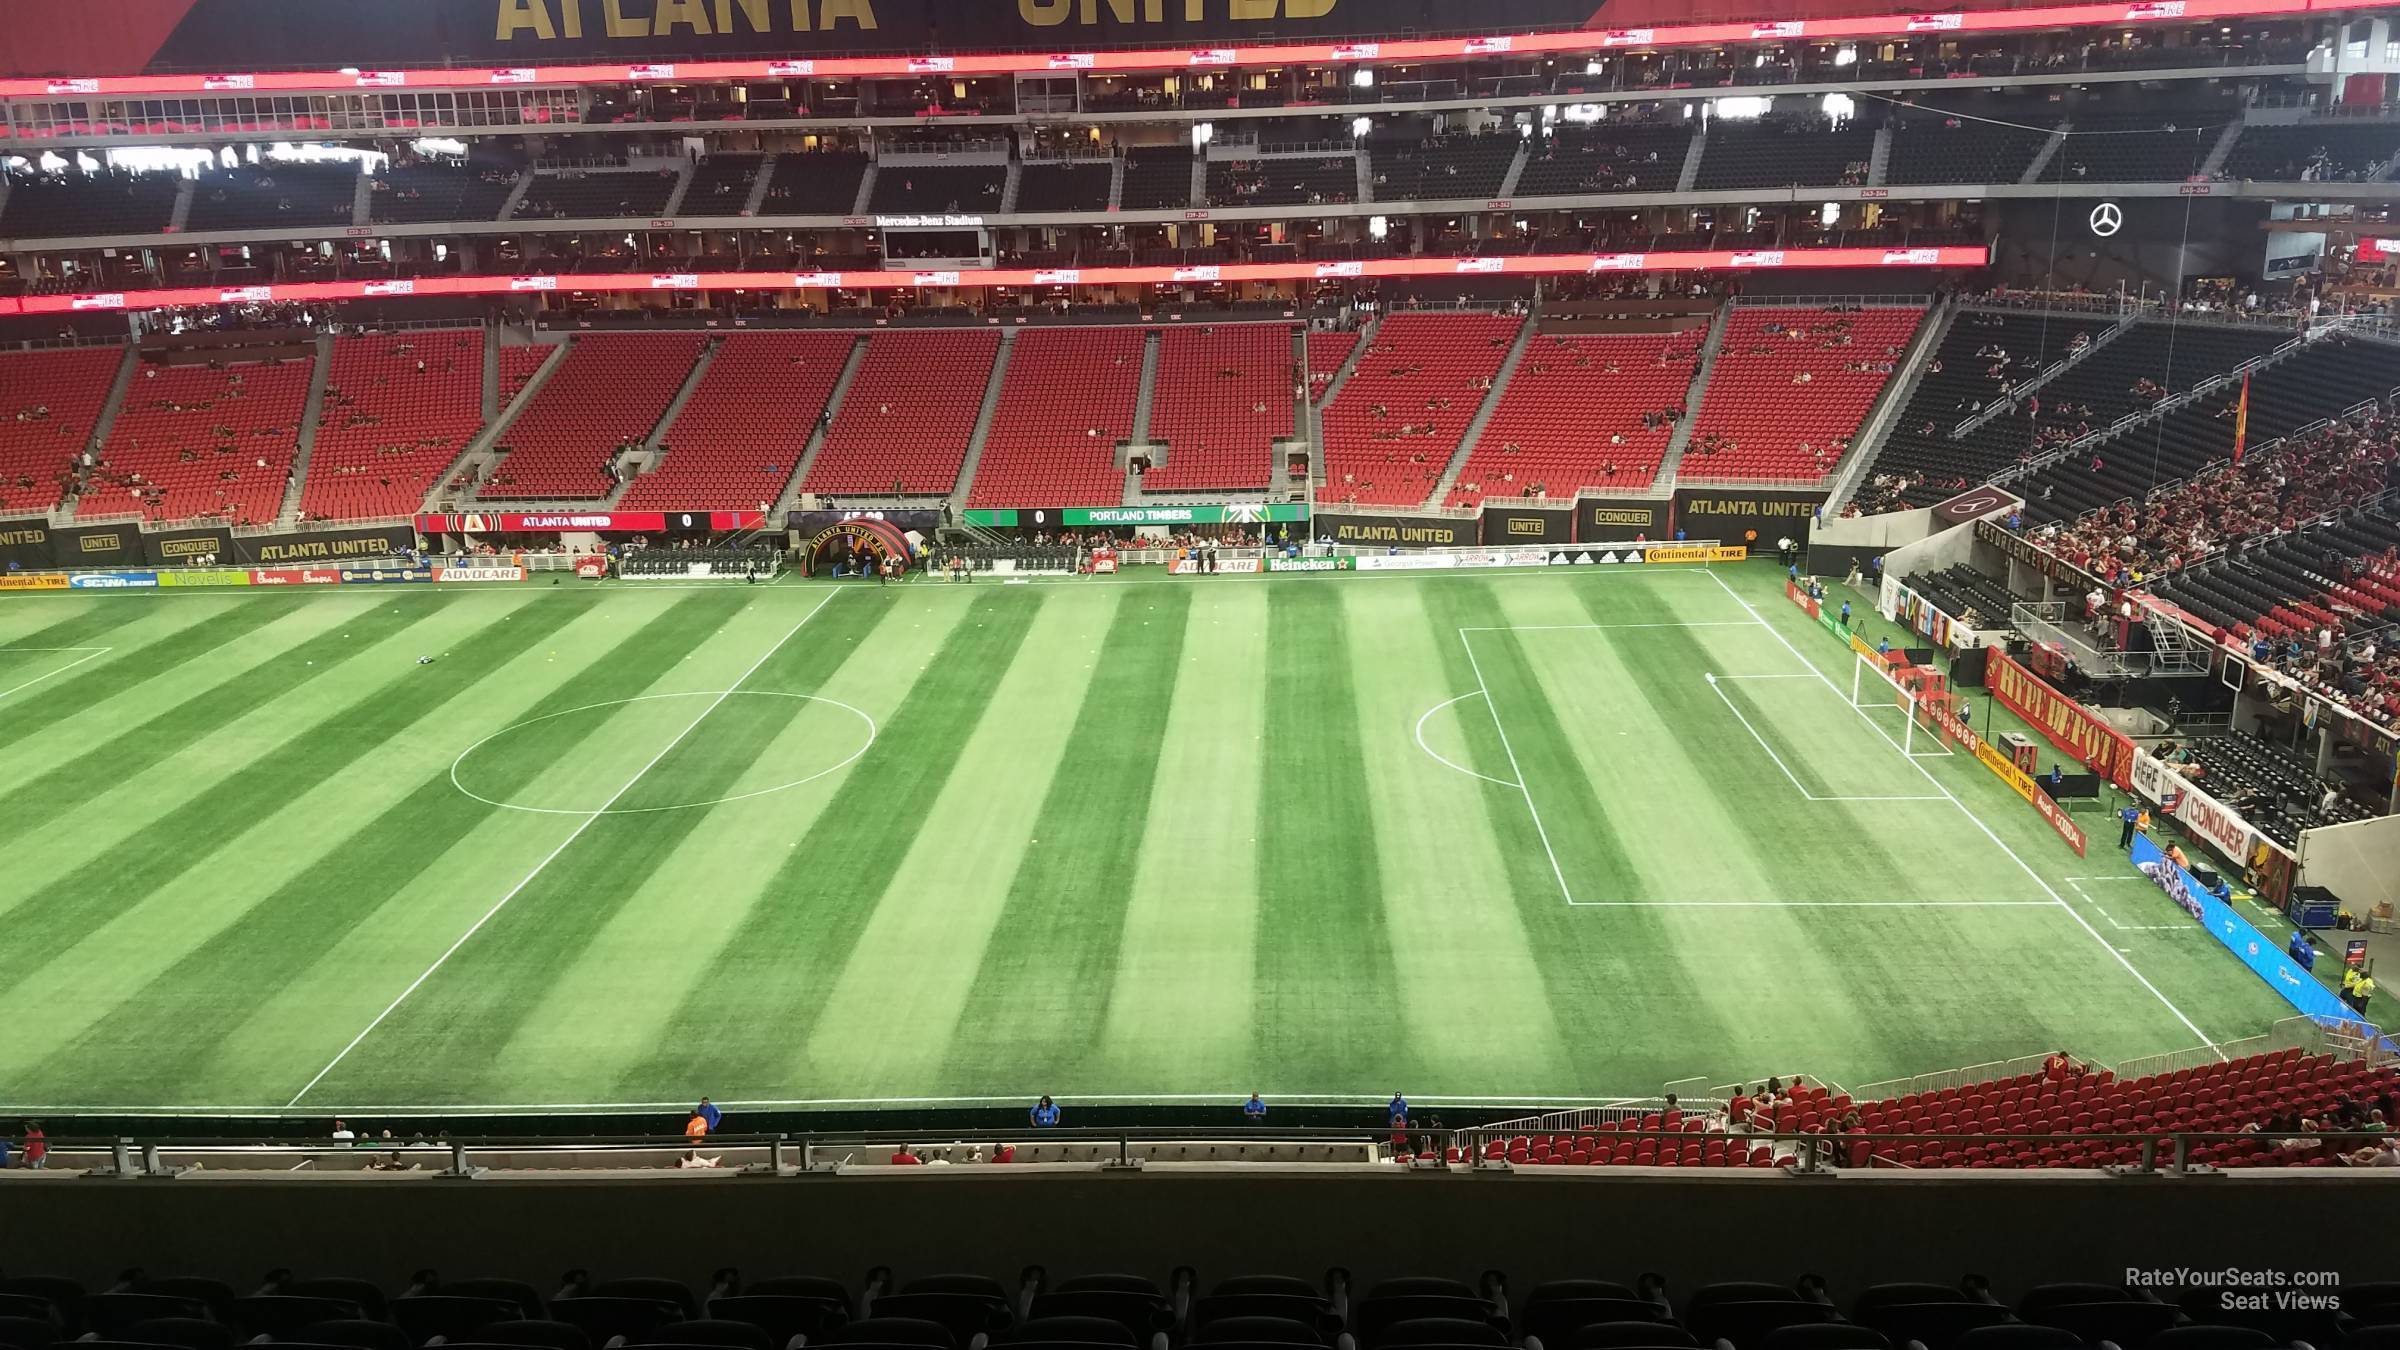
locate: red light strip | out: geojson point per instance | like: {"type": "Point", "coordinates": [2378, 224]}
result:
{"type": "Point", "coordinates": [1554, 264]}
{"type": "Point", "coordinates": [1184, 58]}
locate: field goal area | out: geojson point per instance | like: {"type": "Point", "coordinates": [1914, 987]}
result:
{"type": "Point", "coordinates": [1909, 704]}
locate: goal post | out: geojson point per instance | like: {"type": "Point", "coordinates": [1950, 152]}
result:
{"type": "Point", "coordinates": [1920, 694]}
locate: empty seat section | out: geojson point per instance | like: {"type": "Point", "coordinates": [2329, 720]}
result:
{"type": "Point", "coordinates": [1785, 151]}
{"type": "Point", "coordinates": [2139, 145]}
{"type": "Point", "coordinates": [972, 188]}
{"type": "Point", "coordinates": [1081, 186]}
{"type": "Point", "coordinates": [1612, 157]}
{"type": "Point", "coordinates": [1066, 401]}
{"type": "Point", "coordinates": [193, 442]}
{"type": "Point", "coordinates": [608, 392]}
{"type": "Point", "coordinates": [109, 202]}
{"type": "Point", "coordinates": [1327, 351]}
{"type": "Point", "coordinates": [721, 185]}
{"type": "Point", "coordinates": [1390, 433]}
{"type": "Point", "coordinates": [817, 183]}
{"type": "Point", "coordinates": [582, 193]}
{"type": "Point", "coordinates": [1286, 180]}
{"type": "Point", "coordinates": [904, 425]}
{"type": "Point", "coordinates": [439, 190]}
{"type": "Point", "coordinates": [398, 409]}
{"type": "Point", "coordinates": [1224, 397]}
{"type": "Point", "coordinates": [1442, 167]}
{"type": "Point", "coordinates": [1584, 411]}
{"type": "Point", "coordinates": [273, 196]}
{"type": "Point", "coordinates": [1932, 148]}
{"type": "Point", "coordinates": [738, 439]}
{"type": "Point", "coordinates": [1157, 180]}
{"type": "Point", "coordinates": [1789, 388]}
{"type": "Point", "coordinates": [2313, 151]}
{"type": "Point", "coordinates": [49, 405]}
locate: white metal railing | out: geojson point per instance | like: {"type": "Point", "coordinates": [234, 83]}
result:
{"type": "Point", "coordinates": [1961, 1076]}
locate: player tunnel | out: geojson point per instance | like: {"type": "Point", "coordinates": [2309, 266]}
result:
{"type": "Point", "coordinates": [843, 548]}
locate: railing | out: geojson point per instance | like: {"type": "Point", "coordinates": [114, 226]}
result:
{"type": "Point", "coordinates": [1940, 1079]}
{"type": "Point", "coordinates": [1833, 301]}
{"type": "Point", "coordinates": [1582, 1117]}
{"type": "Point", "coordinates": [1055, 1151]}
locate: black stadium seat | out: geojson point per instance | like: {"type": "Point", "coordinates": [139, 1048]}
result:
{"type": "Point", "coordinates": [1824, 1336]}
{"type": "Point", "coordinates": [451, 1317]}
{"type": "Point", "coordinates": [29, 1333]}
{"type": "Point", "coordinates": [532, 1332]}
{"type": "Point", "coordinates": [357, 1333]}
{"type": "Point", "coordinates": [913, 1332]}
{"type": "Point", "coordinates": [736, 1335]}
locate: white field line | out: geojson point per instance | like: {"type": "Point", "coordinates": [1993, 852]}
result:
{"type": "Point", "coordinates": [575, 834]}
{"type": "Point", "coordinates": [1068, 1099]}
{"type": "Point", "coordinates": [88, 654]}
{"type": "Point", "coordinates": [1977, 821]}
{"type": "Point", "coordinates": [1815, 904]}
{"type": "Point", "coordinates": [1439, 757]}
{"type": "Point", "coordinates": [1516, 770]}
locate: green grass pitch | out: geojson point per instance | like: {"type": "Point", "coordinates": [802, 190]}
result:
{"type": "Point", "coordinates": [1496, 837]}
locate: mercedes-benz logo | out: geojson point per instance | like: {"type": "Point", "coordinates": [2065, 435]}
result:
{"type": "Point", "coordinates": [2107, 219]}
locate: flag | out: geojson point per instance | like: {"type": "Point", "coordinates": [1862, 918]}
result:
{"type": "Point", "coordinates": [2241, 419]}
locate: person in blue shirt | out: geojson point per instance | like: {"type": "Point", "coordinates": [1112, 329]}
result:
{"type": "Point", "coordinates": [1399, 1111]}
{"type": "Point", "coordinates": [1254, 1111]}
{"type": "Point", "coordinates": [708, 1111]}
{"type": "Point", "coordinates": [1884, 648]}
{"type": "Point", "coordinates": [1845, 614]}
{"type": "Point", "coordinates": [2058, 777]}
{"type": "Point", "coordinates": [2131, 815]}
{"type": "Point", "coordinates": [1045, 1113]}
{"type": "Point", "coordinates": [4, 1147]}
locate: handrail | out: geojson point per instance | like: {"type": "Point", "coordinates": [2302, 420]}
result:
{"type": "Point", "coordinates": [2162, 1153]}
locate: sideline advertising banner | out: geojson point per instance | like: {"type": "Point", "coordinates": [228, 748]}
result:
{"type": "Point", "coordinates": [560, 522]}
{"type": "Point", "coordinates": [1617, 521]}
{"type": "Point", "coordinates": [32, 581]}
{"type": "Point", "coordinates": [295, 576]}
{"type": "Point", "coordinates": [1740, 516]}
{"type": "Point", "coordinates": [354, 575]}
{"type": "Point", "coordinates": [97, 546]}
{"type": "Point", "coordinates": [1699, 553]}
{"type": "Point", "coordinates": [2205, 818]}
{"type": "Point", "coordinates": [478, 574]}
{"type": "Point", "coordinates": [1312, 564]}
{"type": "Point", "coordinates": [2069, 725]}
{"type": "Point", "coordinates": [294, 549]}
{"type": "Point", "coordinates": [1399, 531]}
{"type": "Point", "coordinates": [2052, 813]}
{"type": "Point", "coordinates": [1514, 525]}
{"type": "Point", "coordinates": [188, 545]}
{"type": "Point", "coordinates": [25, 543]}
{"type": "Point", "coordinates": [1195, 567]}
{"type": "Point", "coordinates": [203, 577]}
{"type": "Point", "coordinates": [114, 581]}
{"type": "Point", "coordinates": [2266, 959]}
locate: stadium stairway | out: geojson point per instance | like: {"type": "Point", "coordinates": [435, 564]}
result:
{"type": "Point", "coordinates": [1420, 371]}
{"type": "Point", "coordinates": [855, 358]}
{"type": "Point", "coordinates": [387, 429]}
{"type": "Point", "coordinates": [1783, 396]}
{"type": "Point", "coordinates": [979, 440]}
{"type": "Point", "coordinates": [1145, 398]}
{"type": "Point", "coordinates": [736, 442]}
{"type": "Point", "coordinates": [920, 396]}
{"type": "Point", "coordinates": [1672, 460]}
{"type": "Point", "coordinates": [1061, 386]}
{"type": "Point", "coordinates": [1892, 407]}
{"type": "Point", "coordinates": [609, 389]}
{"type": "Point", "coordinates": [1467, 439]}
{"type": "Point", "coordinates": [310, 420]}
{"type": "Point", "coordinates": [655, 445]}
{"type": "Point", "coordinates": [477, 455]}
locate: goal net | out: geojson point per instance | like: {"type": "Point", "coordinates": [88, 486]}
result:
{"type": "Point", "coordinates": [1924, 710]}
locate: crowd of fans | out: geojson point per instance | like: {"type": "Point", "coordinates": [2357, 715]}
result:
{"type": "Point", "coordinates": [2268, 493]}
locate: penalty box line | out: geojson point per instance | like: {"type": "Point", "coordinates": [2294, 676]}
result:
{"type": "Point", "coordinates": [1975, 820]}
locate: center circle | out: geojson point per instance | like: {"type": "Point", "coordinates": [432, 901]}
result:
{"type": "Point", "coordinates": [717, 696]}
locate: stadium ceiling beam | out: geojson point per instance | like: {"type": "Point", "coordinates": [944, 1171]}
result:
{"type": "Point", "coordinates": [27, 141]}
{"type": "Point", "coordinates": [1626, 201]}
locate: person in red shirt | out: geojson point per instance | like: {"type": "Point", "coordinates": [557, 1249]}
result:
{"type": "Point", "coordinates": [905, 1158]}
{"type": "Point", "coordinates": [37, 1146]}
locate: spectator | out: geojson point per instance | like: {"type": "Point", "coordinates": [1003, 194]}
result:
{"type": "Point", "coordinates": [1254, 1111]}
{"type": "Point", "coordinates": [1044, 1114]}
{"type": "Point", "coordinates": [37, 1146]}
{"type": "Point", "coordinates": [342, 1134]}
{"type": "Point", "coordinates": [707, 1110]}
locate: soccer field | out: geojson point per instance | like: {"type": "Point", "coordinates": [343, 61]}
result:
{"type": "Point", "coordinates": [1503, 837]}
